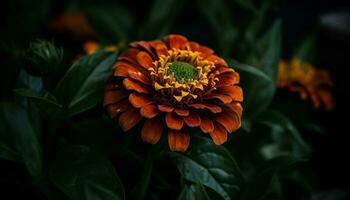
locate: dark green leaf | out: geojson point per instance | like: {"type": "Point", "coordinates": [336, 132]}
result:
{"type": "Point", "coordinates": [83, 174]}
{"type": "Point", "coordinates": [46, 102]}
{"type": "Point", "coordinates": [19, 132]}
{"type": "Point", "coordinates": [141, 188]}
{"type": "Point", "coordinates": [258, 88]}
{"type": "Point", "coordinates": [306, 51]}
{"type": "Point", "coordinates": [266, 52]}
{"type": "Point", "coordinates": [162, 16]}
{"type": "Point", "coordinates": [210, 165]}
{"type": "Point", "coordinates": [81, 88]}
{"type": "Point", "coordinates": [194, 192]}
{"type": "Point", "coordinates": [284, 132]}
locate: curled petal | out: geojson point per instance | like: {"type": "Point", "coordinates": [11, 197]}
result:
{"type": "Point", "coordinates": [227, 120]}
{"type": "Point", "coordinates": [138, 100]}
{"type": "Point", "coordinates": [236, 107]}
{"type": "Point", "coordinates": [159, 47]}
{"type": "Point", "coordinates": [219, 135]}
{"type": "Point", "coordinates": [113, 96]}
{"type": "Point", "coordinates": [144, 60]}
{"type": "Point", "coordinates": [178, 140]}
{"type": "Point", "coordinates": [130, 56]}
{"type": "Point", "coordinates": [175, 41]}
{"type": "Point", "coordinates": [193, 120]}
{"type": "Point", "coordinates": [149, 111]}
{"type": "Point", "coordinates": [131, 84]}
{"type": "Point", "coordinates": [129, 119]}
{"type": "Point", "coordinates": [182, 112]}
{"type": "Point", "coordinates": [173, 121]}
{"type": "Point", "coordinates": [165, 108]}
{"type": "Point", "coordinates": [207, 125]}
{"type": "Point", "coordinates": [143, 45]}
{"type": "Point", "coordinates": [122, 69]}
{"type": "Point", "coordinates": [152, 130]}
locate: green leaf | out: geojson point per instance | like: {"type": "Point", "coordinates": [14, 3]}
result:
{"type": "Point", "coordinates": [258, 88]}
{"type": "Point", "coordinates": [306, 51]}
{"type": "Point", "coordinates": [284, 132]}
{"type": "Point", "coordinates": [19, 132]}
{"type": "Point", "coordinates": [161, 18]}
{"type": "Point", "coordinates": [81, 88]}
{"type": "Point", "coordinates": [141, 188]}
{"type": "Point", "coordinates": [83, 174]}
{"type": "Point", "coordinates": [194, 192]}
{"type": "Point", "coordinates": [46, 102]}
{"type": "Point", "coordinates": [210, 165]}
{"type": "Point", "coordinates": [267, 51]}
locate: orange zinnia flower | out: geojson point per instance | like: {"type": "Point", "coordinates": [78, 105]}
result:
{"type": "Point", "coordinates": [174, 84]}
{"type": "Point", "coordinates": [303, 78]}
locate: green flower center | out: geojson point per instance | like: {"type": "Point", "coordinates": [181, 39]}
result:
{"type": "Point", "coordinates": [182, 71]}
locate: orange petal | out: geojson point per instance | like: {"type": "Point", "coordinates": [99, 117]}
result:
{"type": "Point", "coordinates": [216, 60]}
{"type": "Point", "coordinates": [228, 78]}
{"type": "Point", "coordinates": [207, 125]}
{"type": "Point", "coordinates": [182, 112]}
{"type": "Point", "coordinates": [173, 121]}
{"type": "Point", "coordinates": [140, 77]}
{"type": "Point", "coordinates": [152, 131]}
{"type": "Point", "coordinates": [211, 107]}
{"type": "Point", "coordinates": [122, 69]}
{"type": "Point", "coordinates": [121, 106]}
{"type": "Point", "coordinates": [236, 107]}
{"type": "Point", "coordinates": [165, 108]}
{"type": "Point", "coordinates": [149, 111]}
{"type": "Point", "coordinates": [219, 135]}
{"type": "Point", "coordinates": [138, 100]}
{"type": "Point", "coordinates": [193, 120]}
{"type": "Point", "coordinates": [113, 96]}
{"type": "Point", "coordinates": [192, 46]}
{"type": "Point", "coordinates": [178, 140]}
{"type": "Point", "coordinates": [131, 84]}
{"type": "Point", "coordinates": [143, 45]}
{"type": "Point", "coordinates": [130, 56]}
{"type": "Point", "coordinates": [235, 92]}
{"type": "Point", "coordinates": [227, 120]}
{"type": "Point", "coordinates": [159, 47]}
{"type": "Point", "coordinates": [175, 41]}
{"type": "Point", "coordinates": [129, 119]}
{"type": "Point", "coordinates": [144, 60]}
{"type": "Point", "coordinates": [205, 51]}
{"type": "Point", "coordinates": [222, 97]}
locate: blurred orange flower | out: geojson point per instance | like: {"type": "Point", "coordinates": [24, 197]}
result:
{"type": "Point", "coordinates": [175, 84]}
{"type": "Point", "coordinates": [91, 47]}
{"type": "Point", "coordinates": [303, 78]}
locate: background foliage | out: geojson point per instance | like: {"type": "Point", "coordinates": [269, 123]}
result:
{"type": "Point", "coordinates": [56, 142]}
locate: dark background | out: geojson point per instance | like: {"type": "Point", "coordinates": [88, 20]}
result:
{"type": "Point", "coordinates": [330, 150]}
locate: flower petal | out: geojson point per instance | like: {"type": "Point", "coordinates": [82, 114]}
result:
{"type": "Point", "coordinates": [144, 59]}
{"type": "Point", "coordinates": [175, 41]}
{"type": "Point", "coordinates": [235, 92]}
{"type": "Point", "coordinates": [131, 84]}
{"type": "Point", "coordinates": [113, 96]}
{"type": "Point", "coordinates": [193, 120]}
{"type": "Point", "coordinates": [178, 140]}
{"type": "Point", "coordinates": [207, 125]}
{"type": "Point", "coordinates": [130, 56]}
{"type": "Point", "coordinates": [152, 130]}
{"type": "Point", "coordinates": [165, 108]}
{"type": "Point", "coordinates": [121, 106]}
{"type": "Point", "coordinates": [205, 51]}
{"type": "Point", "coordinates": [227, 120]}
{"type": "Point", "coordinates": [227, 78]}
{"type": "Point", "coordinates": [149, 111]}
{"type": "Point", "coordinates": [143, 45]}
{"type": "Point", "coordinates": [219, 135]}
{"type": "Point", "coordinates": [182, 112]}
{"type": "Point", "coordinates": [216, 60]}
{"type": "Point", "coordinates": [129, 119]}
{"type": "Point", "coordinates": [211, 107]}
{"type": "Point", "coordinates": [138, 100]}
{"type": "Point", "coordinates": [173, 121]}
{"type": "Point", "coordinates": [222, 97]}
{"type": "Point", "coordinates": [159, 47]}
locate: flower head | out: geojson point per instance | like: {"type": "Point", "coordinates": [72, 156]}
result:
{"type": "Point", "coordinates": [303, 78]}
{"type": "Point", "coordinates": [174, 84]}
